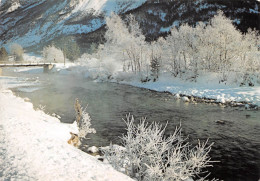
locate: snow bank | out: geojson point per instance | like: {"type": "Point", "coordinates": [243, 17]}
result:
{"type": "Point", "coordinates": [203, 89]}
{"type": "Point", "coordinates": [206, 86]}
{"type": "Point", "coordinates": [13, 7]}
{"type": "Point", "coordinates": [33, 146]}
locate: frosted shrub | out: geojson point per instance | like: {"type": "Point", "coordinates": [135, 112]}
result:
{"type": "Point", "coordinates": [83, 120]}
{"type": "Point", "coordinates": [149, 155]}
{"type": "Point", "coordinates": [85, 125]}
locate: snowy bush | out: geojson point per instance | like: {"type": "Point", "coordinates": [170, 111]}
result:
{"type": "Point", "coordinates": [149, 155]}
{"type": "Point", "coordinates": [53, 54]}
{"type": "Point", "coordinates": [83, 121]}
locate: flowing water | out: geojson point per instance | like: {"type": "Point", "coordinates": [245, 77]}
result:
{"type": "Point", "coordinates": [237, 142]}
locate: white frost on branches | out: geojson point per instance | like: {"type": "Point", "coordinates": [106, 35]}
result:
{"type": "Point", "coordinates": [83, 121]}
{"type": "Point", "coordinates": [149, 155]}
{"type": "Point", "coordinates": [85, 125]}
{"type": "Point", "coordinates": [53, 54]}
{"type": "Point", "coordinates": [187, 52]}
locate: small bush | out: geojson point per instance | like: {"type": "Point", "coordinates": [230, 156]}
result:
{"type": "Point", "coordinates": [83, 124]}
{"type": "Point", "coordinates": [83, 121]}
{"type": "Point", "coordinates": [149, 155]}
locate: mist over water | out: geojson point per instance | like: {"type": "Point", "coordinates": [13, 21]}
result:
{"type": "Point", "coordinates": [237, 142]}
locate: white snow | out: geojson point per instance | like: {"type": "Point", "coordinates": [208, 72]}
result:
{"type": "Point", "coordinates": [185, 99]}
{"type": "Point", "coordinates": [44, 32]}
{"type": "Point", "coordinates": [107, 6]}
{"type": "Point", "coordinates": [177, 96]}
{"type": "Point", "coordinates": [33, 146]}
{"type": "Point", "coordinates": [93, 149]}
{"type": "Point", "coordinates": [13, 7]}
{"type": "Point", "coordinates": [89, 4]}
{"type": "Point", "coordinates": [204, 89]}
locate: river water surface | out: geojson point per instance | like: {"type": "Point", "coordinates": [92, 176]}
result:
{"type": "Point", "coordinates": [236, 143]}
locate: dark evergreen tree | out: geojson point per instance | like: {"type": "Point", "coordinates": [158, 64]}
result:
{"type": "Point", "coordinates": [155, 68]}
{"type": "Point", "coordinates": [3, 55]}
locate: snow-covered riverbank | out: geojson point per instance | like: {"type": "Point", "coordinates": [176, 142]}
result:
{"type": "Point", "coordinates": [205, 90]}
{"type": "Point", "coordinates": [33, 146]}
{"type": "Point", "coordinates": [205, 87]}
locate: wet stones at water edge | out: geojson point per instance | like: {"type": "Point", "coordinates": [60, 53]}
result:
{"type": "Point", "coordinates": [93, 151]}
{"type": "Point", "coordinates": [221, 122]}
{"type": "Point", "coordinates": [195, 100]}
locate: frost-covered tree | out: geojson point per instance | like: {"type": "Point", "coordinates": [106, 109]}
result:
{"type": "Point", "coordinates": [17, 51]}
{"type": "Point", "coordinates": [136, 45]}
{"type": "Point", "coordinates": [186, 53]}
{"type": "Point", "coordinates": [69, 46]}
{"type": "Point", "coordinates": [52, 54]}
{"type": "Point", "coordinates": [216, 47]}
{"type": "Point", "coordinates": [149, 155]}
{"type": "Point", "coordinates": [116, 34]}
{"type": "Point", "coordinates": [226, 42]}
{"type": "Point", "coordinates": [249, 51]}
{"type": "Point", "coordinates": [125, 43]}
{"type": "Point", "coordinates": [175, 58]}
{"type": "Point", "coordinates": [116, 40]}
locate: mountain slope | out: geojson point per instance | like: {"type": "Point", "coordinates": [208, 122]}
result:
{"type": "Point", "coordinates": [158, 18]}
{"type": "Point", "coordinates": [39, 22]}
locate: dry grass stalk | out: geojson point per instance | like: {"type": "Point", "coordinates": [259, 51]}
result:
{"type": "Point", "coordinates": [78, 111]}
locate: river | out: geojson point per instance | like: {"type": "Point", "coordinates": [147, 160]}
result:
{"type": "Point", "coordinates": [236, 143]}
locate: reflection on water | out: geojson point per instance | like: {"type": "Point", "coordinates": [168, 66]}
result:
{"type": "Point", "coordinates": [237, 142]}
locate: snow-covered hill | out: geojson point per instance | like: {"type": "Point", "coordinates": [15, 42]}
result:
{"type": "Point", "coordinates": [32, 22]}
{"type": "Point", "coordinates": [38, 22]}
